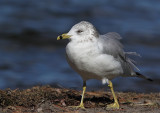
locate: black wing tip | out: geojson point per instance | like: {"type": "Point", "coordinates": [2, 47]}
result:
{"type": "Point", "coordinates": [137, 73]}
{"type": "Point", "coordinates": [151, 80]}
{"type": "Point", "coordinates": [142, 76]}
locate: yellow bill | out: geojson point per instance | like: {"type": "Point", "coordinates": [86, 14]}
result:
{"type": "Point", "coordinates": [63, 36]}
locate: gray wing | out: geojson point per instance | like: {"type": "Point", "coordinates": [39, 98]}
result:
{"type": "Point", "coordinates": [111, 45]}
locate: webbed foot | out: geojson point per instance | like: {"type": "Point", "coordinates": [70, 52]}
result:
{"type": "Point", "coordinates": [115, 105]}
{"type": "Point", "coordinates": [80, 106]}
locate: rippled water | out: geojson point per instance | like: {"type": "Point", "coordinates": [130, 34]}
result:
{"type": "Point", "coordinates": [30, 54]}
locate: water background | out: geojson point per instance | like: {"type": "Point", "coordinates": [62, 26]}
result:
{"type": "Point", "coordinates": [30, 55]}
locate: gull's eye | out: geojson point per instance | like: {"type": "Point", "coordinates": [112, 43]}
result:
{"type": "Point", "coordinates": [79, 31]}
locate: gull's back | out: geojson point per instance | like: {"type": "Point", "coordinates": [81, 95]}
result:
{"type": "Point", "coordinates": [111, 45]}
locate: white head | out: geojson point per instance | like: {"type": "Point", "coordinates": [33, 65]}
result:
{"type": "Point", "coordinates": [81, 31]}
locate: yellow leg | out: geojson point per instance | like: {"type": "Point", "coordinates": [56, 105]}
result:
{"type": "Point", "coordinates": [82, 98]}
{"type": "Point", "coordinates": [115, 105]}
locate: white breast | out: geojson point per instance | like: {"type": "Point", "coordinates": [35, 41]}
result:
{"type": "Point", "coordinates": [87, 60]}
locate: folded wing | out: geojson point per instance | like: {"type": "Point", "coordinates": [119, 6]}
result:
{"type": "Point", "coordinates": [110, 44]}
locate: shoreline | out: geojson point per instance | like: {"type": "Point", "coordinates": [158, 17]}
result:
{"type": "Point", "coordinates": [44, 99]}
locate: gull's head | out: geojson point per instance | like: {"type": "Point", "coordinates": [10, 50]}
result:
{"type": "Point", "coordinates": [82, 31]}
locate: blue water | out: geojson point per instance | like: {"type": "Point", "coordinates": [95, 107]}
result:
{"type": "Point", "coordinates": [30, 54]}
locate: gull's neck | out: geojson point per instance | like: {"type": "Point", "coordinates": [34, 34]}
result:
{"type": "Point", "coordinates": [87, 46]}
{"type": "Point", "coordinates": [85, 40]}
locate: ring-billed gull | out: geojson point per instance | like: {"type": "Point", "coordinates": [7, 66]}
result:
{"type": "Point", "coordinates": [96, 56]}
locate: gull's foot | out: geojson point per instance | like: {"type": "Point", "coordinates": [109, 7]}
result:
{"type": "Point", "coordinates": [115, 105]}
{"type": "Point", "coordinates": [77, 107]}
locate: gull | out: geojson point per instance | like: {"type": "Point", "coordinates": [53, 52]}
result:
{"type": "Point", "coordinates": [95, 56]}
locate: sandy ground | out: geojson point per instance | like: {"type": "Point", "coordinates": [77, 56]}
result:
{"type": "Point", "coordinates": [46, 99]}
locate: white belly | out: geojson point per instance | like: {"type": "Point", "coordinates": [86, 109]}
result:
{"type": "Point", "coordinates": [91, 64]}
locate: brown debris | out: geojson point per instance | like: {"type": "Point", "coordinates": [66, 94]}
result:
{"type": "Point", "coordinates": [46, 99]}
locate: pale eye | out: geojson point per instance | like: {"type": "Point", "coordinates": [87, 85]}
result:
{"type": "Point", "coordinates": [79, 31]}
